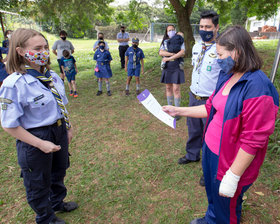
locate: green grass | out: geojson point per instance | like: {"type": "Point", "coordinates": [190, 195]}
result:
{"type": "Point", "coordinates": [124, 161]}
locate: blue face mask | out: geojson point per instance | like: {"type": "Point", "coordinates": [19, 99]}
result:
{"type": "Point", "coordinates": [206, 36]}
{"type": "Point", "coordinates": [171, 33]}
{"type": "Point", "coordinates": [102, 47]}
{"type": "Point", "coordinates": [226, 64]}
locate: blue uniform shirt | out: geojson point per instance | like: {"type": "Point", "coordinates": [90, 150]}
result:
{"type": "Point", "coordinates": [204, 79]}
{"type": "Point", "coordinates": [122, 35]}
{"type": "Point", "coordinates": [134, 58]}
{"type": "Point", "coordinates": [104, 56]}
{"type": "Point", "coordinates": [26, 102]}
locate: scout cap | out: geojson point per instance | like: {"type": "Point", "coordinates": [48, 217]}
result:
{"type": "Point", "coordinates": [135, 40]}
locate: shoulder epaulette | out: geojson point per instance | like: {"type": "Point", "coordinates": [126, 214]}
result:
{"type": "Point", "coordinates": [11, 80]}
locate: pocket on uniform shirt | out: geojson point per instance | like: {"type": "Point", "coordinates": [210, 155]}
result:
{"type": "Point", "coordinates": [38, 103]}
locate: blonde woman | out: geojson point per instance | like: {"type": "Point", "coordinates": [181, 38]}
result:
{"type": "Point", "coordinates": [33, 111]}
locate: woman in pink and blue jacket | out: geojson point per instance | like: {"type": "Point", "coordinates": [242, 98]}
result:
{"type": "Point", "coordinates": [241, 116]}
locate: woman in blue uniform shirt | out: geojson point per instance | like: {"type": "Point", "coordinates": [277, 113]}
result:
{"type": "Point", "coordinates": [30, 112]}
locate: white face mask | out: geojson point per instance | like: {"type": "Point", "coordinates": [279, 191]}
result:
{"type": "Point", "coordinates": [9, 36]}
{"type": "Point", "coordinates": [38, 58]}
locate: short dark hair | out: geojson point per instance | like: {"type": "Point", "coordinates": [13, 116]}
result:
{"type": "Point", "coordinates": [6, 33]}
{"type": "Point", "coordinates": [122, 26]}
{"type": "Point", "coordinates": [101, 42]}
{"type": "Point", "coordinates": [100, 34]}
{"type": "Point", "coordinates": [237, 38]}
{"type": "Point", "coordinates": [65, 53]}
{"type": "Point", "coordinates": [63, 33]}
{"type": "Point", "coordinates": [210, 14]}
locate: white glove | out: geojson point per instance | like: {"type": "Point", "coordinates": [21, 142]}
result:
{"type": "Point", "coordinates": [229, 184]}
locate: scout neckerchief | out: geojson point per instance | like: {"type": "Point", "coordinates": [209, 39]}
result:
{"type": "Point", "coordinates": [134, 58]}
{"type": "Point", "coordinates": [205, 47]}
{"type": "Point", "coordinates": [47, 79]}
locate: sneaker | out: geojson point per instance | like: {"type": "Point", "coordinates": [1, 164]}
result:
{"type": "Point", "coordinates": [137, 92]}
{"type": "Point", "coordinates": [199, 221]}
{"type": "Point", "coordinates": [57, 220]}
{"type": "Point", "coordinates": [126, 92]}
{"type": "Point", "coordinates": [71, 93]}
{"type": "Point", "coordinates": [98, 93]}
{"type": "Point", "coordinates": [67, 207]}
{"type": "Point", "coordinates": [184, 160]}
{"type": "Point", "coordinates": [75, 94]}
{"type": "Point", "coordinates": [109, 93]}
{"type": "Point", "coordinates": [201, 181]}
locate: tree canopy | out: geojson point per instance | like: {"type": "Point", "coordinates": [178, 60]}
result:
{"type": "Point", "coordinates": [79, 17]}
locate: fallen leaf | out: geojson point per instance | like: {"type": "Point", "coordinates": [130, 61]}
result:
{"type": "Point", "coordinates": [260, 193]}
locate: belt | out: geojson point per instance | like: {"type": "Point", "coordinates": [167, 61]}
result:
{"type": "Point", "coordinates": [200, 97]}
{"type": "Point", "coordinates": [58, 123]}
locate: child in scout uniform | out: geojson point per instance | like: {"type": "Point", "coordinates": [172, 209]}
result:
{"type": "Point", "coordinates": [33, 111]}
{"type": "Point", "coordinates": [133, 56]}
{"type": "Point", "coordinates": [103, 69]}
{"type": "Point", "coordinates": [69, 68]}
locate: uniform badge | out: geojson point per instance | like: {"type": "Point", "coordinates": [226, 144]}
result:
{"type": "Point", "coordinates": [5, 100]}
{"type": "Point", "coordinates": [209, 68]}
{"type": "Point", "coordinates": [4, 106]}
{"type": "Point", "coordinates": [212, 55]}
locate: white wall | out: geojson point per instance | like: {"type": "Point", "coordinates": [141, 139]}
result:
{"type": "Point", "coordinates": [273, 21]}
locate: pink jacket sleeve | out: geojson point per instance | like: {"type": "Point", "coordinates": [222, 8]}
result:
{"type": "Point", "coordinates": [258, 122]}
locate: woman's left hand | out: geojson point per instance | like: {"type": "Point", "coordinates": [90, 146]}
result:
{"type": "Point", "coordinates": [70, 133]}
{"type": "Point", "coordinates": [229, 184]}
{"type": "Point", "coordinates": [165, 59]}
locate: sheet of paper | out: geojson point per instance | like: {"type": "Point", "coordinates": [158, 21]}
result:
{"type": "Point", "coordinates": [152, 105]}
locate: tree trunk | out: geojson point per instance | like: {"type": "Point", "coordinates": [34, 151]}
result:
{"type": "Point", "coordinates": [183, 14]}
{"type": "Point", "coordinates": [2, 25]}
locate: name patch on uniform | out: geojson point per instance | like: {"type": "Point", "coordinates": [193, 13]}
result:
{"type": "Point", "coordinates": [5, 100]}
{"type": "Point", "coordinates": [212, 55]}
{"type": "Point", "coordinates": [38, 97]}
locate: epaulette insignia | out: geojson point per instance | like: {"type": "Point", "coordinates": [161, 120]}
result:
{"type": "Point", "coordinates": [212, 55]}
{"type": "Point", "coordinates": [5, 100]}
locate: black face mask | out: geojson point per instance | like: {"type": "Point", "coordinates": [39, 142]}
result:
{"type": "Point", "coordinates": [63, 38]}
{"type": "Point", "coordinates": [134, 46]}
{"type": "Point", "coordinates": [123, 31]}
{"type": "Point", "coordinates": [100, 38]}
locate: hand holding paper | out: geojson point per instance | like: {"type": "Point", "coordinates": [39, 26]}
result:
{"type": "Point", "coordinates": [152, 105]}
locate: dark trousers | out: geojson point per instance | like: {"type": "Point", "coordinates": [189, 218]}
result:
{"type": "Point", "coordinates": [122, 50]}
{"type": "Point", "coordinates": [43, 173]}
{"type": "Point", "coordinates": [195, 131]}
{"type": "Point", "coordinates": [221, 210]}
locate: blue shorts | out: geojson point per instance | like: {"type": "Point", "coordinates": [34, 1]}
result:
{"type": "Point", "coordinates": [133, 72]}
{"type": "Point", "coordinates": [70, 77]}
